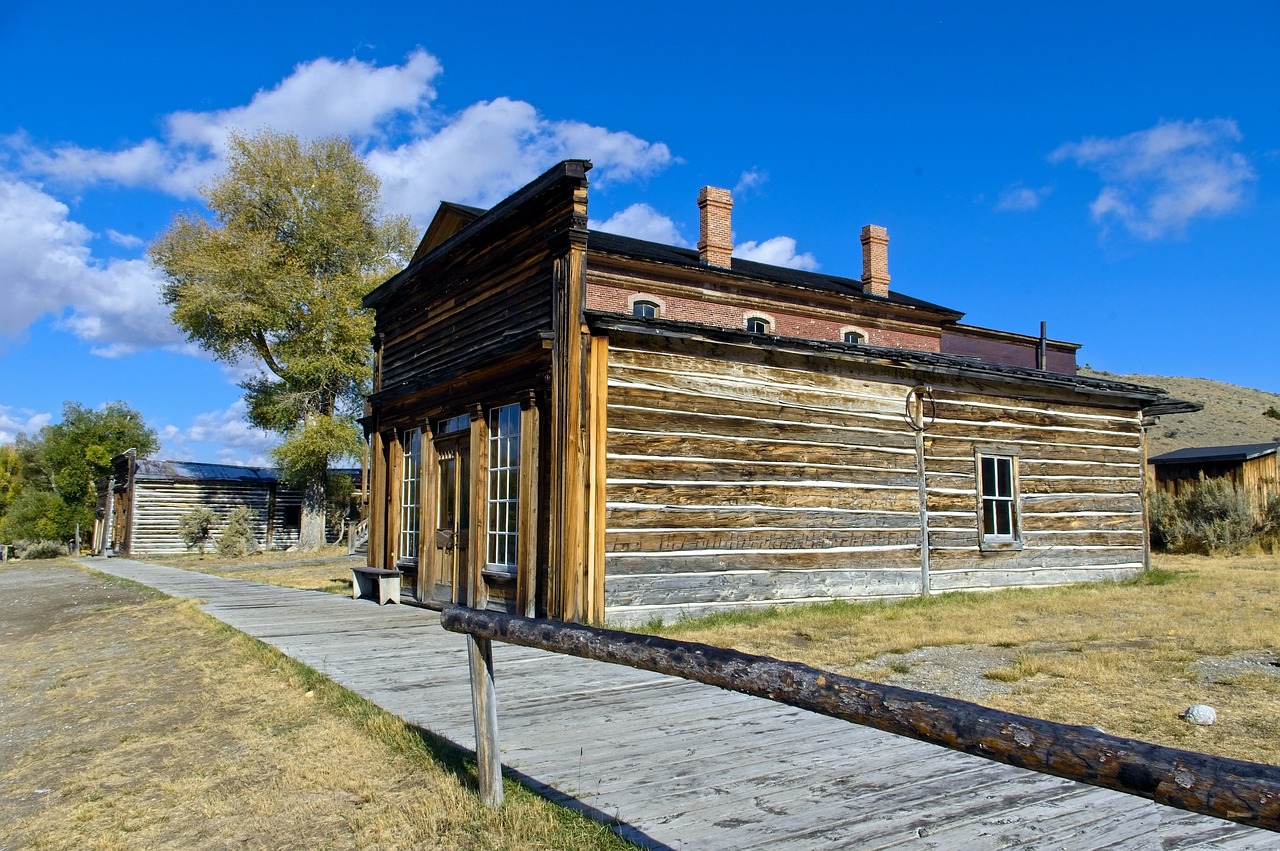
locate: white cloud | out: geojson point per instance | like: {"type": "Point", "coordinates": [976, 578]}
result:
{"type": "Point", "coordinates": [1156, 181]}
{"type": "Point", "coordinates": [493, 147]}
{"type": "Point", "coordinates": [1021, 199]}
{"type": "Point", "coordinates": [24, 420]}
{"type": "Point", "coordinates": [46, 269]}
{"type": "Point", "coordinates": [477, 155]}
{"type": "Point", "coordinates": [751, 179]}
{"type": "Point", "coordinates": [125, 240]}
{"type": "Point", "coordinates": [320, 98]}
{"type": "Point", "coordinates": [642, 222]}
{"type": "Point", "coordinates": [223, 437]}
{"type": "Point", "coordinates": [779, 251]}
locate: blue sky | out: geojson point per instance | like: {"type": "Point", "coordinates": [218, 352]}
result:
{"type": "Point", "coordinates": [1110, 168]}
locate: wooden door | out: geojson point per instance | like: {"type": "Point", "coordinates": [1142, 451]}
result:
{"type": "Point", "coordinates": [453, 504]}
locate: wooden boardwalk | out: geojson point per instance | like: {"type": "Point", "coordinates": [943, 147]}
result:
{"type": "Point", "coordinates": [683, 765]}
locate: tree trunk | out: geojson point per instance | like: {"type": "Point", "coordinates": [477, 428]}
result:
{"type": "Point", "coordinates": [311, 535]}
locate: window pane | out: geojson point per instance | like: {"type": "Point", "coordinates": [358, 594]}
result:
{"type": "Point", "coordinates": [504, 485]}
{"type": "Point", "coordinates": [996, 489]}
{"type": "Point", "coordinates": [410, 491]}
{"type": "Point", "coordinates": [988, 477]}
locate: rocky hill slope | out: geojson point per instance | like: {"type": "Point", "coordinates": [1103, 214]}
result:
{"type": "Point", "coordinates": [1231, 414]}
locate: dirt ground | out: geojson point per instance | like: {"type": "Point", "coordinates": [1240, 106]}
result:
{"type": "Point", "coordinates": [131, 720]}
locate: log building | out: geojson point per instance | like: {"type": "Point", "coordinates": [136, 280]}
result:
{"type": "Point", "coordinates": [579, 425]}
{"type": "Point", "coordinates": [142, 503]}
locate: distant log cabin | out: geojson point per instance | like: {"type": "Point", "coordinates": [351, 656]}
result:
{"type": "Point", "coordinates": [574, 424]}
{"type": "Point", "coordinates": [1252, 469]}
{"type": "Point", "coordinates": [141, 504]}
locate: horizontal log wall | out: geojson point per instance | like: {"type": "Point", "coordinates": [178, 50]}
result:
{"type": "Point", "coordinates": [734, 484]}
{"type": "Point", "coordinates": [160, 505]}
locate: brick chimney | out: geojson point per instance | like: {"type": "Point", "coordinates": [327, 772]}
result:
{"type": "Point", "coordinates": [715, 243]}
{"type": "Point", "coordinates": [875, 260]}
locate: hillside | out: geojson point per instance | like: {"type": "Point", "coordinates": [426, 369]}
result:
{"type": "Point", "coordinates": [1231, 414]}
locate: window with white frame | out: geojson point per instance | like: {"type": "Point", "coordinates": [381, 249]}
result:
{"type": "Point", "coordinates": [855, 337]}
{"type": "Point", "coordinates": [410, 494]}
{"type": "Point", "coordinates": [757, 325]}
{"type": "Point", "coordinates": [998, 520]}
{"type": "Point", "coordinates": [504, 488]}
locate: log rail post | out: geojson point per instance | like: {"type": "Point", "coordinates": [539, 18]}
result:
{"type": "Point", "coordinates": [484, 713]}
{"type": "Point", "coordinates": [1236, 790]}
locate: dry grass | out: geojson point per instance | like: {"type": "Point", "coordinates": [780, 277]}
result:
{"type": "Point", "coordinates": [1128, 657]}
{"type": "Point", "coordinates": [326, 569]}
{"type": "Point", "coordinates": [141, 722]}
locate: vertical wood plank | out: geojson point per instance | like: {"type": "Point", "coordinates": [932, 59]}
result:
{"type": "Point", "coordinates": [395, 471]}
{"type": "Point", "coordinates": [484, 713]}
{"type": "Point", "coordinates": [597, 406]}
{"type": "Point", "coordinates": [568, 462]}
{"type": "Point", "coordinates": [478, 545]}
{"type": "Point", "coordinates": [527, 529]}
{"type": "Point", "coordinates": [426, 513]}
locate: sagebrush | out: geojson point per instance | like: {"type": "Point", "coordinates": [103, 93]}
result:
{"type": "Point", "coordinates": [236, 540]}
{"type": "Point", "coordinates": [196, 528]}
{"type": "Point", "coordinates": [1210, 516]}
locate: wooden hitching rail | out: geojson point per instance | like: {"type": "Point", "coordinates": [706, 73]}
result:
{"type": "Point", "coordinates": [1236, 790]}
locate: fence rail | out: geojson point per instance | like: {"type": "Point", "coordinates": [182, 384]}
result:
{"type": "Point", "coordinates": [1236, 790]}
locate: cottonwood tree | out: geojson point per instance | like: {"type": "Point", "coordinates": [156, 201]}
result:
{"type": "Point", "coordinates": [53, 472]}
{"type": "Point", "coordinates": [276, 276]}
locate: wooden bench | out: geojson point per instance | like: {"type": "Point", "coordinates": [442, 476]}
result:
{"type": "Point", "coordinates": [365, 579]}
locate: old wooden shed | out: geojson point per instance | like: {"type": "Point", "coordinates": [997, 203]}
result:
{"type": "Point", "coordinates": [1252, 469]}
{"type": "Point", "coordinates": [141, 504]}
{"type": "Point", "coordinates": [586, 426]}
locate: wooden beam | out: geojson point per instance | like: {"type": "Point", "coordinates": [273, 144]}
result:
{"type": "Point", "coordinates": [1244, 792]}
{"type": "Point", "coordinates": [527, 530]}
{"type": "Point", "coordinates": [478, 493]}
{"type": "Point", "coordinates": [597, 408]}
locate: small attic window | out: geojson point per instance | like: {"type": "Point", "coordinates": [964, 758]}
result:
{"type": "Point", "coordinates": [856, 337]}
{"type": "Point", "coordinates": [645, 309]}
{"type": "Point", "coordinates": [757, 325]}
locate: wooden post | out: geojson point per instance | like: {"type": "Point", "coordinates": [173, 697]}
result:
{"type": "Point", "coordinates": [484, 712]}
{"type": "Point", "coordinates": [915, 405]}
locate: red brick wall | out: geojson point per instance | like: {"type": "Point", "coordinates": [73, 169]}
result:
{"type": "Point", "coordinates": [619, 299]}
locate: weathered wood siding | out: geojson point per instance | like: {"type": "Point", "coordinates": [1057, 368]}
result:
{"type": "Point", "coordinates": [736, 482]}
{"type": "Point", "coordinates": [1080, 479]}
{"type": "Point", "coordinates": [492, 315]}
{"type": "Point", "coordinates": [486, 300]}
{"type": "Point", "coordinates": [160, 505]}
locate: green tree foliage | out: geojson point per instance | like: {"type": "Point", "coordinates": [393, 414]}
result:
{"type": "Point", "coordinates": [10, 476]}
{"type": "Point", "coordinates": [51, 481]}
{"type": "Point", "coordinates": [277, 276]}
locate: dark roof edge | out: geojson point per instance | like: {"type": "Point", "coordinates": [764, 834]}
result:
{"type": "Point", "coordinates": [564, 170]}
{"type": "Point", "coordinates": [1239, 452]}
{"type": "Point", "coordinates": [962, 328]}
{"type": "Point", "coordinates": [1148, 398]}
{"type": "Point", "coordinates": [753, 270]}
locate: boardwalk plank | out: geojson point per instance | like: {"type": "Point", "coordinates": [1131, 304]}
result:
{"type": "Point", "coordinates": [684, 765]}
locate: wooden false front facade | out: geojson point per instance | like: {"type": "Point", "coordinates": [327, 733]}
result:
{"type": "Point", "coordinates": [535, 456]}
